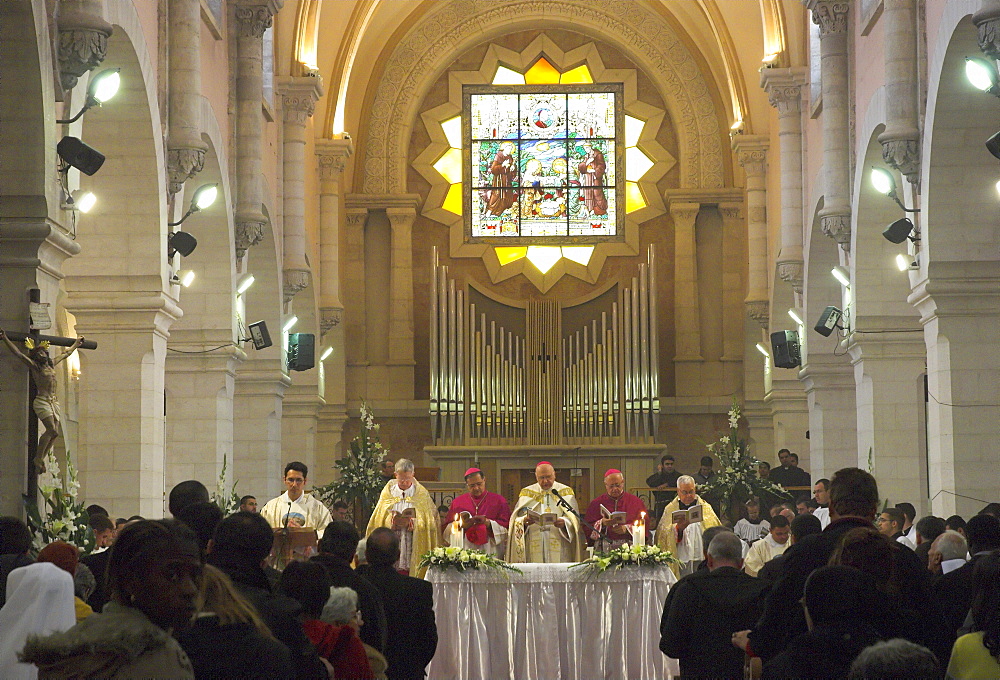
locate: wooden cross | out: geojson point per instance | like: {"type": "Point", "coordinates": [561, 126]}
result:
{"type": "Point", "coordinates": [544, 358]}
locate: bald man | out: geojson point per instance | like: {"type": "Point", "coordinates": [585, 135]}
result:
{"type": "Point", "coordinates": [532, 541]}
{"type": "Point", "coordinates": [613, 532]}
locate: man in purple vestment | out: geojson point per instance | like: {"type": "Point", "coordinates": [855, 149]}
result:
{"type": "Point", "coordinates": [617, 531]}
{"type": "Point", "coordinates": [478, 520]}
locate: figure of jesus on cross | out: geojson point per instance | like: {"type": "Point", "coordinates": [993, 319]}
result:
{"type": "Point", "coordinates": [43, 372]}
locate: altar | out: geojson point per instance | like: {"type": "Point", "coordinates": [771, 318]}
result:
{"type": "Point", "coordinates": [551, 622]}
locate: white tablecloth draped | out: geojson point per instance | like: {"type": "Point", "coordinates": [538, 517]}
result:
{"type": "Point", "coordinates": [550, 623]}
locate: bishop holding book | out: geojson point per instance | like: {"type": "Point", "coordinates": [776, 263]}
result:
{"type": "Point", "coordinates": [478, 520]}
{"type": "Point", "coordinates": [542, 529]}
{"type": "Point", "coordinates": [614, 514]}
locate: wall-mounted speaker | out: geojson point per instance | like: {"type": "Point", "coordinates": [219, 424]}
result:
{"type": "Point", "coordinates": [785, 349]}
{"type": "Point", "coordinates": [301, 351]}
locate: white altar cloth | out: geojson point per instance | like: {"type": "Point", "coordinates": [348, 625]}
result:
{"type": "Point", "coordinates": [550, 623]}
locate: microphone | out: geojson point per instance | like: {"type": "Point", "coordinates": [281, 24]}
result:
{"type": "Point", "coordinates": [288, 516]}
{"type": "Point", "coordinates": [555, 492]}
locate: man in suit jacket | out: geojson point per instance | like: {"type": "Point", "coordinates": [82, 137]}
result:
{"type": "Point", "coordinates": [953, 591]}
{"type": "Point", "coordinates": [336, 550]}
{"type": "Point", "coordinates": [409, 608]}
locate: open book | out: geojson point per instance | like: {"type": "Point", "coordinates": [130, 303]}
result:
{"type": "Point", "coordinates": [691, 515]}
{"type": "Point", "coordinates": [544, 519]}
{"type": "Point", "coordinates": [612, 518]}
{"type": "Point", "coordinates": [465, 519]}
{"type": "Point", "coordinates": [401, 519]}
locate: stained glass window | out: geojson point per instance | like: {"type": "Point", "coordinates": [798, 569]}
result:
{"type": "Point", "coordinates": [543, 163]}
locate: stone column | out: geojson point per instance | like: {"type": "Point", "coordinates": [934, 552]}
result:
{"type": "Point", "coordinates": [185, 148]}
{"type": "Point", "coordinates": [298, 101]}
{"type": "Point", "coordinates": [959, 303]}
{"type": "Point", "coordinates": [687, 321]}
{"type": "Point", "coordinates": [355, 323]}
{"type": "Point", "coordinates": [401, 293]}
{"type": "Point", "coordinates": [332, 155]}
{"type": "Point", "coordinates": [733, 284]}
{"type": "Point", "coordinates": [121, 435]}
{"type": "Point", "coordinates": [888, 375]}
{"type": "Point", "coordinates": [300, 426]}
{"type": "Point", "coordinates": [901, 138]}
{"type": "Point", "coordinates": [790, 420]}
{"type": "Point", "coordinates": [260, 390]}
{"type": "Point", "coordinates": [83, 39]}
{"type": "Point", "coordinates": [833, 415]}
{"type": "Point", "coordinates": [784, 92]}
{"type": "Point", "coordinates": [751, 152]}
{"type": "Point", "coordinates": [835, 217]}
{"type": "Point", "coordinates": [199, 406]}
{"type": "Point", "coordinates": [253, 17]}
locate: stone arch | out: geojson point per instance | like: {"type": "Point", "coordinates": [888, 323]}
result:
{"type": "Point", "coordinates": [426, 49]}
{"type": "Point", "coordinates": [957, 289]}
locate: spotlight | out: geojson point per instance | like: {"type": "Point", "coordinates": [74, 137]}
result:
{"type": "Point", "coordinates": [998, 186]}
{"type": "Point", "coordinates": [290, 324]}
{"type": "Point", "coordinates": [185, 277]}
{"type": "Point", "coordinates": [203, 198]}
{"type": "Point", "coordinates": [899, 231]}
{"type": "Point", "coordinates": [78, 155]}
{"type": "Point", "coordinates": [993, 145]}
{"type": "Point", "coordinates": [181, 242]}
{"type": "Point", "coordinates": [795, 317]}
{"type": "Point", "coordinates": [883, 182]}
{"type": "Point", "coordinates": [828, 320]}
{"type": "Point", "coordinates": [245, 284]}
{"type": "Point", "coordinates": [102, 87]}
{"type": "Point", "coordinates": [902, 262]}
{"type": "Point", "coordinates": [326, 354]}
{"type": "Point", "coordinates": [760, 348]}
{"type": "Point", "coordinates": [841, 275]}
{"type": "Point", "coordinates": [79, 200]}
{"type": "Point", "coordinates": [982, 75]}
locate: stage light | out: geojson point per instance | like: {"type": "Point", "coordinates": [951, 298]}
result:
{"type": "Point", "coordinates": [982, 75]}
{"type": "Point", "coordinates": [899, 231]}
{"type": "Point", "coordinates": [902, 262]}
{"type": "Point", "coordinates": [84, 201]}
{"type": "Point", "coordinates": [290, 324]}
{"type": "Point", "coordinates": [795, 317]}
{"type": "Point", "coordinates": [998, 186]}
{"type": "Point", "coordinates": [102, 87]}
{"type": "Point", "coordinates": [882, 181]}
{"type": "Point", "coordinates": [993, 145]}
{"type": "Point", "coordinates": [326, 354]}
{"type": "Point", "coordinates": [184, 277]}
{"type": "Point", "coordinates": [763, 350]}
{"type": "Point", "coordinates": [76, 154]}
{"type": "Point", "coordinates": [181, 242]}
{"type": "Point", "coordinates": [245, 284]}
{"type": "Point", "coordinates": [203, 198]}
{"type": "Point", "coordinates": [841, 275]}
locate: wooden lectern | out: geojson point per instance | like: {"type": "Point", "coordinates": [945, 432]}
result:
{"type": "Point", "coordinates": [291, 544]}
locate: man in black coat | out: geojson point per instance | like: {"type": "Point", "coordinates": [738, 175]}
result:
{"type": "Point", "coordinates": [336, 550]}
{"type": "Point", "coordinates": [953, 591]}
{"type": "Point", "coordinates": [240, 544]}
{"type": "Point", "coordinates": [409, 607]}
{"type": "Point", "coordinates": [704, 609]}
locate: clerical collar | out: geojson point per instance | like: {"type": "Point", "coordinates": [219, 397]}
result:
{"type": "Point", "coordinates": [400, 493]}
{"type": "Point", "coordinates": [685, 506]}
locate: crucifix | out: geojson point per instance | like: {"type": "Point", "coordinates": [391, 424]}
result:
{"type": "Point", "coordinates": [544, 358]}
{"type": "Point", "coordinates": [42, 391]}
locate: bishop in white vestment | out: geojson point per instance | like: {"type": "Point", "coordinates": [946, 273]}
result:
{"type": "Point", "coordinates": [559, 542]}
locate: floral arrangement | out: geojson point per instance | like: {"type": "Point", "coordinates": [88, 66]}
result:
{"type": "Point", "coordinates": [737, 478]}
{"type": "Point", "coordinates": [462, 560]}
{"type": "Point", "coordinates": [228, 503]}
{"type": "Point", "coordinates": [628, 556]}
{"type": "Point", "coordinates": [360, 477]}
{"type": "Point", "coordinates": [61, 517]}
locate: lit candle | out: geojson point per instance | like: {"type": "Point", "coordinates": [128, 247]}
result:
{"type": "Point", "coordinates": [456, 534]}
{"type": "Point", "coordinates": [642, 528]}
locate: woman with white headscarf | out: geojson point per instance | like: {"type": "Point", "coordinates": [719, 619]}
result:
{"type": "Point", "coordinates": [39, 602]}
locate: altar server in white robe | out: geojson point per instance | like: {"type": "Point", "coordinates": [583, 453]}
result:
{"type": "Point", "coordinates": [530, 542]}
{"type": "Point", "coordinates": [684, 538]}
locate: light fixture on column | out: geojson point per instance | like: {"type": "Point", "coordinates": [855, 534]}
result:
{"type": "Point", "coordinates": [736, 128]}
{"type": "Point", "coordinates": [998, 186]}
{"type": "Point", "coordinates": [993, 145]}
{"type": "Point", "coordinates": [75, 154]}
{"type": "Point", "coordinates": [795, 317]}
{"type": "Point", "coordinates": [326, 354]}
{"type": "Point", "coordinates": [203, 198]}
{"type": "Point", "coordinates": [903, 263]}
{"type": "Point", "coordinates": [883, 182]}
{"type": "Point", "coordinates": [79, 200]}
{"type": "Point", "coordinates": [184, 277]}
{"type": "Point", "coordinates": [181, 242]}
{"type": "Point", "coordinates": [982, 75]}
{"type": "Point", "coordinates": [102, 87]}
{"type": "Point", "coordinates": [841, 275]}
{"type": "Point", "coordinates": [763, 350]}
{"type": "Point", "coordinates": [290, 324]}
{"type": "Point", "coordinates": [245, 284]}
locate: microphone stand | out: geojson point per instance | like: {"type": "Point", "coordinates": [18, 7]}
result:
{"type": "Point", "coordinates": [560, 501]}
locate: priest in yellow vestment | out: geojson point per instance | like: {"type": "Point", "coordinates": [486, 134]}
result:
{"type": "Point", "coordinates": [403, 496]}
{"type": "Point", "coordinates": [527, 540]}
{"type": "Point", "coordinates": [683, 539]}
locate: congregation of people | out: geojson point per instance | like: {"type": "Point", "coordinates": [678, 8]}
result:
{"type": "Point", "coordinates": [826, 582]}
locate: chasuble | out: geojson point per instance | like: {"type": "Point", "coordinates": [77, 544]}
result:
{"type": "Point", "coordinates": [689, 549]}
{"type": "Point", "coordinates": [426, 533]}
{"type": "Point", "coordinates": [537, 544]}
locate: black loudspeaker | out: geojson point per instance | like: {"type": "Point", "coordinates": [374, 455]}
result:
{"type": "Point", "coordinates": [82, 157]}
{"type": "Point", "coordinates": [258, 333]}
{"type": "Point", "coordinates": [301, 351]}
{"type": "Point", "coordinates": [785, 349]}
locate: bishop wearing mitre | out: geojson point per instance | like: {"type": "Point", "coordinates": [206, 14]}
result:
{"type": "Point", "coordinates": [683, 538]}
{"type": "Point", "coordinates": [407, 508]}
{"type": "Point", "coordinates": [478, 520]}
{"type": "Point", "coordinates": [534, 536]}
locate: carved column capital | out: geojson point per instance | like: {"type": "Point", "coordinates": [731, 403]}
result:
{"type": "Point", "coordinates": [401, 218]}
{"type": "Point", "coordinates": [685, 213]}
{"type": "Point", "coordinates": [838, 227]}
{"type": "Point", "coordinates": [294, 281]}
{"type": "Point", "coordinates": [332, 155]}
{"type": "Point", "coordinates": [784, 88]}
{"type": "Point", "coordinates": [987, 20]}
{"type": "Point", "coordinates": [83, 44]}
{"type": "Point", "coordinates": [759, 311]}
{"type": "Point", "coordinates": [253, 17]}
{"type": "Point", "coordinates": [904, 155]}
{"type": "Point", "coordinates": [298, 97]}
{"type": "Point", "coordinates": [330, 317]}
{"type": "Point", "coordinates": [792, 273]}
{"type": "Point", "coordinates": [182, 165]}
{"type": "Point", "coordinates": [751, 152]}
{"type": "Point", "coordinates": [829, 15]}
{"type": "Point", "coordinates": [248, 233]}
